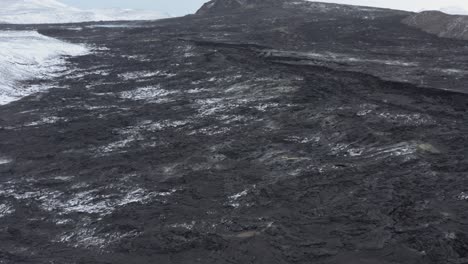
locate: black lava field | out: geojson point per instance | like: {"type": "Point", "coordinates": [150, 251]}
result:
{"type": "Point", "coordinates": [296, 132]}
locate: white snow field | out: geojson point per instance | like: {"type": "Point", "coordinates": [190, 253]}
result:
{"type": "Point", "coordinates": [52, 11]}
{"type": "Point", "coordinates": [28, 55]}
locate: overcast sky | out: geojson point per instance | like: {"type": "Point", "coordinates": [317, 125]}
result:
{"type": "Point", "coordinates": [182, 7]}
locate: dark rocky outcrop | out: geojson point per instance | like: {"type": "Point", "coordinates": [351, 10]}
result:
{"type": "Point", "coordinates": [221, 6]}
{"type": "Point", "coordinates": [440, 24]}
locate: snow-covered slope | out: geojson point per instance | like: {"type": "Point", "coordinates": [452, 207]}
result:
{"type": "Point", "coordinates": [26, 55]}
{"type": "Point", "coordinates": [52, 11]}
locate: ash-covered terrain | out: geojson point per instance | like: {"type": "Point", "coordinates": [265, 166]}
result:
{"type": "Point", "coordinates": [441, 24]}
{"type": "Point", "coordinates": [252, 132]}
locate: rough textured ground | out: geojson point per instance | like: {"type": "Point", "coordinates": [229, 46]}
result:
{"type": "Point", "coordinates": [301, 133]}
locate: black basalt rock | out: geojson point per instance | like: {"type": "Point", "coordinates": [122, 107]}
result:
{"type": "Point", "coordinates": [285, 132]}
{"type": "Point", "coordinates": [227, 6]}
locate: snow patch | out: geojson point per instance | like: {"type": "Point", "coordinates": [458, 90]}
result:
{"type": "Point", "coordinates": [197, 90]}
{"type": "Point", "coordinates": [211, 131]}
{"type": "Point", "coordinates": [6, 209]}
{"type": "Point", "coordinates": [102, 201]}
{"type": "Point", "coordinates": [453, 71]}
{"type": "Point", "coordinates": [406, 150]}
{"type": "Point", "coordinates": [303, 140]}
{"type": "Point", "coordinates": [214, 106]}
{"type": "Point", "coordinates": [132, 134]}
{"type": "Point", "coordinates": [88, 237]}
{"type": "Point", "coordinates": [238, 195]}
{"type": "Point", "coordinates": [142, 75]}
{"type": "Point", "coordinates": [407, 119]}
{"type": "Point", "coordinates": [26, 55]}
{"type": "Point", "coordinates": [463, 196]}
{"type": "Point", "coordinates": [115, 146]}
{"type": "Point", "coordinates": [234, 200]}
{"type": "Point", "coordinates": [156, 94]}
{"type": "Point", "coordinates": [157, 126]}
{"type": "Point", "coordinates": [63, 178]}
{"type": "Point", "coordinates": [46, 121]}
{"type": "Point", "coordinates": [113, 26]}
{"type": "Point", "coordinates": [330, 56]}
{"type": "Point", "coordinates": [4, 161]}
{"type": "Point", "coordinates": [188, 226]}
{"type": "Point", "coordinates": [264, 107]}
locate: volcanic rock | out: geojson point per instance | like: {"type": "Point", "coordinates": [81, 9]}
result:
{"type": "Point", "coordinates": [296, 133]}
{"type": "Point", "coordinates": [224, 6]}
{"type": "Point", "coordinates": [440, 24]}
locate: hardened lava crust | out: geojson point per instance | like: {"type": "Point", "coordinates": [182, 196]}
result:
{"type": "Point", "coordinates": [287, 132]}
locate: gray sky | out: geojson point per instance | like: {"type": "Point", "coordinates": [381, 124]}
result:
{"type": "Point", "coordinates": [182, 7]}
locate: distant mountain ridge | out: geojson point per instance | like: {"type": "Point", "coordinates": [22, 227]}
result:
{"type": "Point", "coordinates": [440, 24]}
{"type": "Point", "coordinates": [221, 7]}
{"type": "Point", "coordinates": [52, 11]}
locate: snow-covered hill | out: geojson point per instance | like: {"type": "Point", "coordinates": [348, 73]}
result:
{"type": "Point", "coordinates": [26, 55]}
{"type": "Point", "coordinates": [52, 11]}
